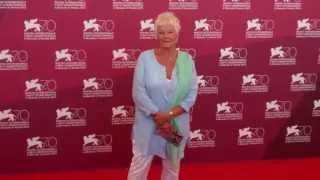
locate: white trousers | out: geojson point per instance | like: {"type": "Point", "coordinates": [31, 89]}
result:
{"type": "Point", "coordinates": [140, 166]}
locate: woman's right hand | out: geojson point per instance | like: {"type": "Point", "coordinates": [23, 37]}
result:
{"type": "Point", "coordinates": [166, 128]}
{"type": "Point", "coordinates": [161, 117]}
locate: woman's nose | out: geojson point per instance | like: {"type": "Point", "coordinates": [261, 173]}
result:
{"type": "Point", "coordinates": [166, 35]}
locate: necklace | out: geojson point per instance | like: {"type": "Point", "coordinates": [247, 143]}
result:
{"type": "Point", "coordinates": [168, 58]}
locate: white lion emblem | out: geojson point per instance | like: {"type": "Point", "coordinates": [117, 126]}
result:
{"type": "Point", "coordinates": [273, 105]}
{"type": "Point", "coordinates": [5, 56]}
{"type": "Point", "coordinates": [34, 142]}
{"type": "Point", "coordinates": [91, 24]}
{"type": "Point", "coordinates": [223, 107]}
{"type": "Point", "coordinates": [120, 54]}
{"type": "Point", "coordinates": [304, 24]}
{"type": "Point", "coordinates": [245, 132]}
{"type": "Point", "coordinates": [277, 52]}
{"type": "Point", "coordinates": [254, 24]}
{"type": "Point", "coordinates": [119, 111]}
{"type": "Point", "coordinates": [201, 24]}
{"type": "Point", "coordinates": [293, 130]}
{"type": "Point", "coordinates": [227, 53]}
{"type": "Point", "coordinates": [202, 82]}
{"type": "Point", "coordinates": [7, 115]}
{"type": "Point", "coordinates": [63, 55]}
{"type": "Point", "coordinates": [33, 84]}
{"type": "Point", "coordinates": [90, 139]}
{"type": "Point", "coordinates": [196, 134]}
{"type": "Point", "coordinates": [32, 24]}
{"type": "Point", "coordinates": [249, 79]}
{"type": "Point", "coordinates": [90, 83]}
{"type": "Point", "coordinates": [147, 24]}
{"type": "Point", "coordinates": [298, 78]}
{"type": "Point", "coordinates": [316, 104]}
{"type": "Point", "coordinates": [64, 112]}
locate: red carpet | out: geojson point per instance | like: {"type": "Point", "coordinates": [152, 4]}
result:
{"type": "Point", "coordinates": [304, 169]}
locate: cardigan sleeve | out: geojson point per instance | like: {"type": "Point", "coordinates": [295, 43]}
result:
{"type": "Point", "coordinates": [140, 97]}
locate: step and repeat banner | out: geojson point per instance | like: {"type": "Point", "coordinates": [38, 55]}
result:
{"type": "Point", "coordinates": [66, 70]}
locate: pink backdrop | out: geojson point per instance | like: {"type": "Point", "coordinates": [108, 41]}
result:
{"type": "Point", "coordinates": [66, 71]}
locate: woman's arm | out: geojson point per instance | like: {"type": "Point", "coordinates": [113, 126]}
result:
{"type": "Point", "coordinates": [140, 97]}
{"type": "Point", "coordinates": [186, 103]}
{"type": "Point", "coordinates": [190, 98]}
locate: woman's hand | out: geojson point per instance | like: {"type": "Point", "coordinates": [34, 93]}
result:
{"type": "Point", "coordinates": [166, 128]}
{"type": "Point", "coordinates": [161, 117]}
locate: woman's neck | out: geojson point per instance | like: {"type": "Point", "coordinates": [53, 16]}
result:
{"type": "Point", "coordinates": [168, 51]}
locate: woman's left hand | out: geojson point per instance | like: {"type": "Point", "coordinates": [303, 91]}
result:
{"type": "Point", "coordinates": [161, 117]}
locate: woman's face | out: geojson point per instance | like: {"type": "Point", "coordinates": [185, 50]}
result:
{"type": "Point", "coordinates": [167, 36]}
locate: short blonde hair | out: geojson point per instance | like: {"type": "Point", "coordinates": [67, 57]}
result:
{"type": "Point", "coordinates": [168, 18]}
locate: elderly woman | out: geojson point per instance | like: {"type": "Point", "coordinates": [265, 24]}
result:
{"type": "Point", "coordinates": [164, 90]}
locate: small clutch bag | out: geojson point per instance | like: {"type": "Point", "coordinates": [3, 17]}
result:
{"type": "Point", "coordinates": [170, 135]}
